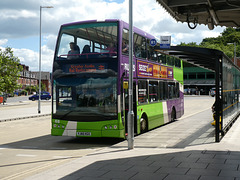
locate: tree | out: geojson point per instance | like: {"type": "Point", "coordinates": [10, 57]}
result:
{"type": "Point", "coordinates": [10, 69]}
{"type": "Point", "coordinates": [229, 35]}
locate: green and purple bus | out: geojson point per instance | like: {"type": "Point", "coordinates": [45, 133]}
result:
{"type": "Point", "coordinates": [90, 81]}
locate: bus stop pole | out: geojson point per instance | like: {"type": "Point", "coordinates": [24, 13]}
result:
{"type": "Point", "coordinates": [130, 90]}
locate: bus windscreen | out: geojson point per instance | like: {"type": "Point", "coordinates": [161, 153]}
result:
{"type": "Point", "coordinates": [85, 99]}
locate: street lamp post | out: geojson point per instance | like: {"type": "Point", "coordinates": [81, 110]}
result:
{"type": "Point", "coordinates": [39, 83]}
{"type": "Point", "coordinates": [130, 91]}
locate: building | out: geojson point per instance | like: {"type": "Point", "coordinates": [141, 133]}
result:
{"type": "Point", "coordinates": [31, 78]}
{"type": "Point", "coordinates": [27, 78]}
{"type": "Point", "coordinates": [45, 79]}
{"type": "Point", "coordinates": [197, 80]}
{"type": "Point", "coordinates": [200, 79]}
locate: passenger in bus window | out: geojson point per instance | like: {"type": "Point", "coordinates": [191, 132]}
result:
{"type": "Point", "coordinates": [86, 49]}
{"type": "Point", "coordinates": [125, 47]}
{"type": "Point", "coordinates": [74, 51]}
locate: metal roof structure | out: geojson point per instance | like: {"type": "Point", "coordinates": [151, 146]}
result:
{"type": "Point", "coordinates": [202, 57]}
{"type": "Point", "coordinates": [208, 12]}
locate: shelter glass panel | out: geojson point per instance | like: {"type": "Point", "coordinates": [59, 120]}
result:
{"type": "Point", "coordinates": [230, 92]}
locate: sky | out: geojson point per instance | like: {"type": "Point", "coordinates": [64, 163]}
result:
{"type": "Point", "coordinates": [20, 24]}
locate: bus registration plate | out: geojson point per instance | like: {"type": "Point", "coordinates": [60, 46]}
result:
{"type": "Point", "coordinates": [84, 134]}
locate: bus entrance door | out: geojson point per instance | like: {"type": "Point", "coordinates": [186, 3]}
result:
{"type": "Point", "coordinates": [126, 108]}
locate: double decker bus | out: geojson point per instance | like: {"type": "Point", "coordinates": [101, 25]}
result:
{"type": "Point", "coordinates": [90, 78]}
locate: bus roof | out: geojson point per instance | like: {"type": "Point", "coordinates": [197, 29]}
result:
{"type": "Point", "coordinates": [123, 24]}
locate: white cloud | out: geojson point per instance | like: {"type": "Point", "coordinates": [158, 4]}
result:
{"type": "Point", "coordinates": [27, 57]}
{"type": "Point", "coordinates": [17, 14]}
{"type": "Point", "coordinates": [31, 58]}
{"type": "Point", "coordinates": [3, 41]}
{"type": "Point", "coordinates": [207, 34]}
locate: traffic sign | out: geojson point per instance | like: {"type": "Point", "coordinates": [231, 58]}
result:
{"type": "Point", "coordinates": [153, 42]}
{"type": "Point", "coordinates": [165, 42]}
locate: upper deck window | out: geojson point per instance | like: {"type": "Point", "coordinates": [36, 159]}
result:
{"type": "Point", "coordinates": [91, 40]}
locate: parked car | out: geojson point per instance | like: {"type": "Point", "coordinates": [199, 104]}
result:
{"type": "Point", "coordinates": [212, 92]}
{"type": "Point", "coordinates": [44, 95]}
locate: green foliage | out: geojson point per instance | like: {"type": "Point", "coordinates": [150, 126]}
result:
{"type": "Point", "coordinates": [9, 71]}
{"type": "Point", "coordinates": [43, 87]}
{"type": "Point", "coordinates": [24, 92]}
{"type": "Point", "coordinates": [222, 43]}
{"type": "Point", "coordinates": [31, 89]}
{"type": "Point", "coordinates": [192, 44]}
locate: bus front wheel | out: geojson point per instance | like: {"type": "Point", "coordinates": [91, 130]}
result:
{"type": "Point", "coordinates": [143, 125]}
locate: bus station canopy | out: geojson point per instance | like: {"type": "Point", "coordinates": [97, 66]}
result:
{"type": "Point", "coordinates": [202, 57]}
{"type": "Point", "coordinates": [208, 12]}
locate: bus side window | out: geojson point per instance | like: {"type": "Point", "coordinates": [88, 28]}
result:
{"type": "Point", "coordinates": [165, 90]}
{"type": "Point", "coordinates": [153, 91]}
{"type": "Point", "coordinates": [177, 62]}
{"type": "Point", "coordinates": [170, 91]}
{"type": "Point", "coordinates": [160, 90]}
{"type": "Point", "coordinates": [173, 90]}
{"type": "Point", "coordinates": [177, 90]}
{"type": "Point", "coordinates": [142, 92]}
{"type": "Point", "coordinates": [140, 48]}
{"type": "Point", "coordinates": [170, 60]}
{"type": "Point", "coordinates": [125, 38]}
{"type": "Point", "coordinates": [162, 58]}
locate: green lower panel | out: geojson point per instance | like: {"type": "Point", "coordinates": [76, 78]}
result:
{"type": "Point", "coordinates": [56, 132]}
{"type": "Point", "coordinates": [154, 113]}
{"type": "Point", "coordinates": [87, 129]}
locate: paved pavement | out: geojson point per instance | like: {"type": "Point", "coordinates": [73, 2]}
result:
{"type": "Point", "coordinates": [23, 109]}
{"type": "Point", "coordinates": [184, 149]}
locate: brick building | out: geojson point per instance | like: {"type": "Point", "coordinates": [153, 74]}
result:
{"type": "Point", "coordinates": [45, 79]}
{"type": "Point", "coordinates": [27, 78]}
{"type": "Point", "coordinates": [31, 78]}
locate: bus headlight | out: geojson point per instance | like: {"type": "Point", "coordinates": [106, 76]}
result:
{"type": "Point", "coordinates": [110, 127]}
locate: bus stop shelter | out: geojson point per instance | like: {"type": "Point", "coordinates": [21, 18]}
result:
{"type": "Point", "coordinates": [211, 13]}
{"type": "Point", "coordinates": [227, 82]}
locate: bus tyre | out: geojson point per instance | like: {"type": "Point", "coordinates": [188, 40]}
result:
{"type": "Point", "coordinates": [173, 115]}
{"type": "Point", "coordinates": [143, 125]}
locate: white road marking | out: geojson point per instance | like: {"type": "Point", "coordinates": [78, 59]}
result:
{"type": "Point", "coordinates": [26, 155]}
{"type": "Point", "coordinates": [61, 157]}
{"type": "Point", "coordinates": [3, 147]}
